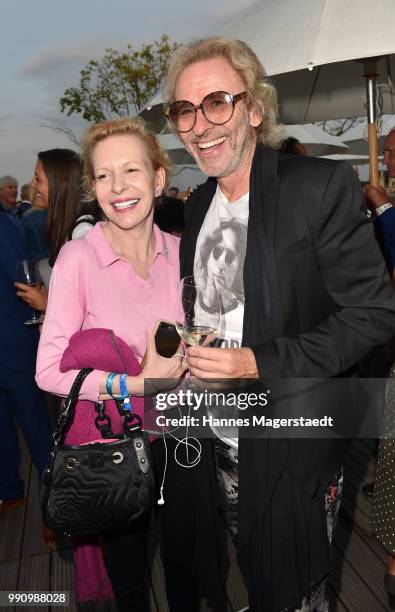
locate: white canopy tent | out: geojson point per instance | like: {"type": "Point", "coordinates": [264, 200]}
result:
{"type": "Point", "coordinates": [309, 56]}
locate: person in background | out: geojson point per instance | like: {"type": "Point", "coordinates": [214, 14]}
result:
{"type": "Point", "coordinates": [382, 209]}
{"type": "Point", "coordinates": [383, 488]}
{"type": "Point", "coordinates": [293, 145]}
{"type": "Point", "coordinates": [26, 200]}
{"type": "Point", "coordinates": [169, 215]}
{"type": "Point", "coordinates": [174, 192]}
{"type": "Point", "coordinates": [34, 221]}
{"type": "Point", "coordinates": [57, 182]}
{"type": "Point", "coordinates": [57, 186]}
{"type": "Point", "coordinates": [19, 394]}
{"type": "Point", "coordinates": [8, 193]}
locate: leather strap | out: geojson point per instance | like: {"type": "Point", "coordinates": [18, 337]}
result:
{"type": "Point", "coordinates": [66, 417]}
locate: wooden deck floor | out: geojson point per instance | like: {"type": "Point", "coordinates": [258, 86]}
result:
{"type": "Point", "coordinates": [358, 567]}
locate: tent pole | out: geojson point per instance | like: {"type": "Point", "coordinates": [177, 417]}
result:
{"type": "Point", "coordinates": [371, 75]}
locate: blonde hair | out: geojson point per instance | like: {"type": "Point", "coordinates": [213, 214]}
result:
{"type": "Point", "coordinates": [243, 60]}
{"type": "Point", "coordinates": [135, 126]}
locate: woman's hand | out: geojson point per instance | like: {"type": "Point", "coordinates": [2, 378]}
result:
{"type": "Point", "coordinates": [156, 366]}
{"type": "Point", "coordinates": [36, 297]}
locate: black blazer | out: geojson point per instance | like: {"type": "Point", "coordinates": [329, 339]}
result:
{"type": "Point", "coordinates": [336, 298]}
{"type": "Point", "coordinates": [336, 304]}
{"type": "Point", "coordinates": [337, 301]}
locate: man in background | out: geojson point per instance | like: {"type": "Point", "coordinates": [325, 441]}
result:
{"type": "Point", "coordinates": [8, 193]}
{"type": "Point", "coordinates": [20, 397]}
{"type": "Point", "coordinates": [8, 200]}
{"type": "Point", "coordinates": [383, 210]}
{"type": "Point", "coordinates": [25, 202]}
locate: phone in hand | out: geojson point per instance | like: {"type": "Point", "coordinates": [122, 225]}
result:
{"type": "Point", "coordinates": [167, 340]}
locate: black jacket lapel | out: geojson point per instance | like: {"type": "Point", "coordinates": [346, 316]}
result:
{"type": "Point", "coordinates": [195, 212]}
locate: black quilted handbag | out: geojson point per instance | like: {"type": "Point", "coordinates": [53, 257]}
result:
{"type": "Point", "coordinates": [98, 486]}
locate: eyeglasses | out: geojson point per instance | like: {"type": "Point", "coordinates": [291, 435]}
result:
{"type": "Point", "coordinates": [230, 255]}
{"type": "Point", "coordinates": [217, 107]}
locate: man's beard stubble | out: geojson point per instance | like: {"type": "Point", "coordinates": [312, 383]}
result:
{"type": "Point", "coordinates": [237, 153]}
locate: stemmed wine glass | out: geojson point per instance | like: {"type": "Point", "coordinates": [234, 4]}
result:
{"type": "Point", "coordinates": [27, 272]}
{"type": "Point", "coordinates": [198, 316]}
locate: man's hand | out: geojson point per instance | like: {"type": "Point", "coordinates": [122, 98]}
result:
{"type": "Point", "coordinates": [375, 197]}
{"type": "Point", "coordinates": [208, 362]}
{"type": "Point", "coordinates": [36, 297]}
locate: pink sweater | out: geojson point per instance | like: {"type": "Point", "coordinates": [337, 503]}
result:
{"type": "Point", "coordinates": [91, 286]}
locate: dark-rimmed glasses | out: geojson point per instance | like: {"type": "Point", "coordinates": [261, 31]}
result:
{"type": "Point", "coordinates": [230, 255]}
{"type": "Point", "coordinates": [217, 107]}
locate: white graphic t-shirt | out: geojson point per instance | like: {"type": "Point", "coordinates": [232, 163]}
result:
{"type": "Point", "coordinates": [220, 254]}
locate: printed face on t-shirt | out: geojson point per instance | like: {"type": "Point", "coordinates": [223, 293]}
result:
{"type": "Point", "coordinates": [224, 260]}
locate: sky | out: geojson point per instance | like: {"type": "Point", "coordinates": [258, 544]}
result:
{"type": "Point", "coordinates": [45, 44]}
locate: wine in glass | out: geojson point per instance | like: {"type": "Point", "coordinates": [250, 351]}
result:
{"type": "Point", "coordinates": [198, 315]}
{"type": "Point", "coordinates": [27, 272]}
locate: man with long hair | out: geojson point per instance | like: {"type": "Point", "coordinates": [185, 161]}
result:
{"type": "Point", "coordinates": [316, 300]}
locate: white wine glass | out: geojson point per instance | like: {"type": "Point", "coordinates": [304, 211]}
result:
{"type": "Point", "coordinates": [198, 318]}
{"type": "Point", "coordinates": [27, 272]}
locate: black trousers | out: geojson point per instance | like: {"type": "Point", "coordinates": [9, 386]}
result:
{"type": "Point", "coordinates": [125, 553]}
{"type": "Point", "coordinates": [19, 395]}
{"type": "Point", "coordinates": [177, 529]}
{"type": "Point", "coordinates": [187, 541]}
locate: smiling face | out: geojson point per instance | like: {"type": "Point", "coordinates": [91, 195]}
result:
{"type": "Point", "coordinates": [219, 150]}
{"type": "Point", "coordinates": [125, 182]}
{"type": "Point", "coordinates": [39, 182]}
{"type": "Point", "coordinates": [9, 194]}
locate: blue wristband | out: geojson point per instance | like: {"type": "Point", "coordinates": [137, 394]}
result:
{"type": "Point", "coordinates": [109, 382]}
{"type": "Point", "coordinates": [122, 386]}
{"type": "Point", "coordinates": [127, 404]}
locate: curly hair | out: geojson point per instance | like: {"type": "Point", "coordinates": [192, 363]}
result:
{"type": "Point", "coordinates": [245, 62]}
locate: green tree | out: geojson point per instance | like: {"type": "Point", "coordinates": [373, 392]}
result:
{"type": "Point", "coordinates": [119, 84]}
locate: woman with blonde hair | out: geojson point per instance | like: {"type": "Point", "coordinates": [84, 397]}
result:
{"type": "Point", "coordinates": [121, 276]}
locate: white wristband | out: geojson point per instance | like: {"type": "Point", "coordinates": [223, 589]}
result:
{"type": "Point", "coordinates": [380, 209]}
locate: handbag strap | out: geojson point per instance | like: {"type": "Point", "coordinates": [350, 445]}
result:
{"type": "Point", "coordinates": [132, 425]}
{"type": "Point", "coordinates": [67, 414]}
